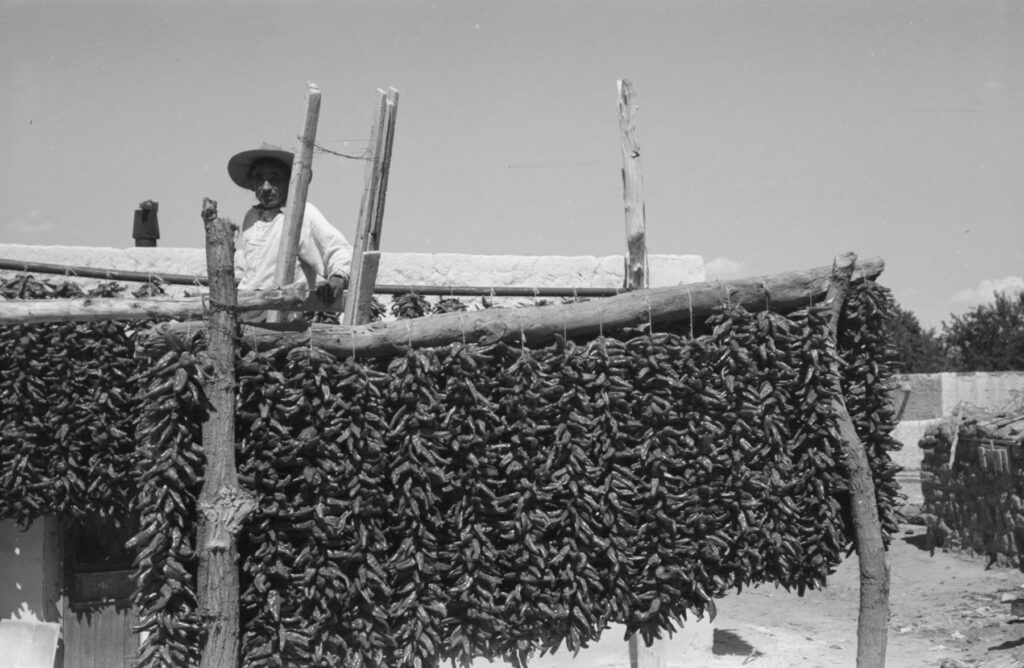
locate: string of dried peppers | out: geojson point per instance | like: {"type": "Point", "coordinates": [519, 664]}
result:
{"type": "Point", "coordinates": [496, 501]}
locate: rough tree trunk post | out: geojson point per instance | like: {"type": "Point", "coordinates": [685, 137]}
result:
{"type": "Point", "coordinates": [873, 618]}
{"type": "Point", "coordinates": [633, 190]}
{"type": "Point", "coordinates": [223, 505]}
{"type": "Point", "coordinates": [295, 207]}
{"type": "Point", "coordinates": [539, 324]}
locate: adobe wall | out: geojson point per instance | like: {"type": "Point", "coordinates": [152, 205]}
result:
{"type": "Point", "coordinates": [934, 399]}
{"type": "Point", "coordinates": [29, 562]}
{"type": "Point", "coordinates": [395, 268]}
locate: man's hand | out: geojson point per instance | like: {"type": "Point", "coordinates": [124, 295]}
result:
{"type": "Point", "coordinates": [332, 290]}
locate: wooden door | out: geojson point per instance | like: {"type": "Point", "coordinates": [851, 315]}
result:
{"type": "Point", "coordinates": [98, 617]}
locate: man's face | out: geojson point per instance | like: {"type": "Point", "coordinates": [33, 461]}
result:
{"type": "Point", "coordinates": [269, 180]}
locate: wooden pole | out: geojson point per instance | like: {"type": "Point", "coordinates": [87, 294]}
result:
{"type": "Point", "coordinates": [75, 271]}
{"type": "Point", "coordinates": [298, 188]}
{"type": "Point", "coordinates": [873, 617]}
{"type": "Point", "coordinates": [633, 189]}
{"type": "Point", "coordinates": [386, 149]}
{"type": "Point", "coordinates": [635, 275]}
{"type": "Point", "coordinates": [362, 241]}
{"type": "Point", "coordinates": [90, 309]}
{"type": "Point", "coordinates": [678, 303]}
{"type": "Point", "coordinates": [371, 212]}
{"type": "Point", "coordinates": [223, 505]}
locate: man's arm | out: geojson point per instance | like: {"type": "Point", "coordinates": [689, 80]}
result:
{"type": "Point", "coordinates": [331, 253]}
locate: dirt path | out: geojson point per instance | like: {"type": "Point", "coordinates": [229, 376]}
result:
{"type": "Point", "coordinates": [946, 610]}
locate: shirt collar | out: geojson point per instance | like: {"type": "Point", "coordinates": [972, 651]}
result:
{"type": "Point", "coordinates": [267, 214]}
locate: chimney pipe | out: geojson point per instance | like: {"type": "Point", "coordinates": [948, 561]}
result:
{"type": "Point", "coordinates": [146, 229]}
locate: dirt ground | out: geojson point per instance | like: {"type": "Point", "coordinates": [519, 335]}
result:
{"type": "Point", "coordinates": [947, 611]}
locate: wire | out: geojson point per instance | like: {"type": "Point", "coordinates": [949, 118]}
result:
{"type": "Point", "coordinates": [365, 155]}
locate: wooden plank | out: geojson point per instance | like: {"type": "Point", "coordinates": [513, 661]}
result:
{"type": "Point", "coordinates": [364, 227]}
{"type": "Point", "coordinates": [678, 303]}
{"type": "Point", "coordinates": [371, 214]}
{"type": "Point", "coordinates": [391, 114]}
{"type": "Point", "coordinates": [361, 297]}
{"type": "Point", "coordinates": [223, 505]}
{"type": "Point", "coordinates": [368, 273]}
{"type": "Point", "coordinates": [632, 186]}
{"type": "Point", "coordinates": [298, 188]}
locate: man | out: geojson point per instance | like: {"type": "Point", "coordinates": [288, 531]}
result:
{"type": "Point", "coordinates": [323, 250]}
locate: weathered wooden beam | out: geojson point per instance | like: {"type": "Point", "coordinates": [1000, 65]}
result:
{"type": "Point", "coordinates": [680, 303]}
{"type": "Point", "coordinates": [298, 188]}
{"type": "Point", "coordinates": [633, 189]}
{"type": "Point", "coordinates": [75, 271]}
{"type": "Point", "coordinates": [223, 504]}
{"type": "Point", "coordinates": [90, 309]}
{"type": "Point", "coordinates": [873, 617]}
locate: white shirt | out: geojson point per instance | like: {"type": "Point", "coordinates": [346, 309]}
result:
{"type": "Point", "coordinates": [323, 250]}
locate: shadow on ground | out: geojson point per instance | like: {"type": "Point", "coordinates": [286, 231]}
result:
{"type": "Point", "coordinates": [728, 642]}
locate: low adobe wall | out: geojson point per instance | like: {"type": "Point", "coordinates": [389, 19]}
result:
{"type": "Point", "coordinates": [395, 268]}
{"type": "Point", "coordinates": [939, 395]}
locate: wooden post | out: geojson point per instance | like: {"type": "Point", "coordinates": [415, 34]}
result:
{"type": "Point", "coordinates": [635, 273]}
{"type": "Point", "coordinates": [223, 505]}
{"type": "Point", "coordinates": [371, 212]}
{"type": "Point", "coordinates": [387, 147]}
{"type": "Point", "coordinates": [298, 188]}
{"type": "Point", "coordinates": [873, 617]}
{"type": "Point", "coordinates": [633, 190]}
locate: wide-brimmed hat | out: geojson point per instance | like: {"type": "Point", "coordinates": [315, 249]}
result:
{"type": "Point", "coordinates": [240, 163]}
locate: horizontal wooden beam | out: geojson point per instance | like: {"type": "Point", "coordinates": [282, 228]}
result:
{"type": "Point", "coordinates": [295, 297]}
{"type": "Point", "coordinates": [780, 292]}
{"type": "Point", "coordinates": [72, 271]}
{"type": "Point", "coordinates": [75, 271]}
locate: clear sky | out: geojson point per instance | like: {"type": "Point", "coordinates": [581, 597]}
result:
{"type": "Point", "coordinates": [773, 135]}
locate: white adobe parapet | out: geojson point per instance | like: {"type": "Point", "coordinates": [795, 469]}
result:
{"type": "Point", "coordinates": [437, 269]}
